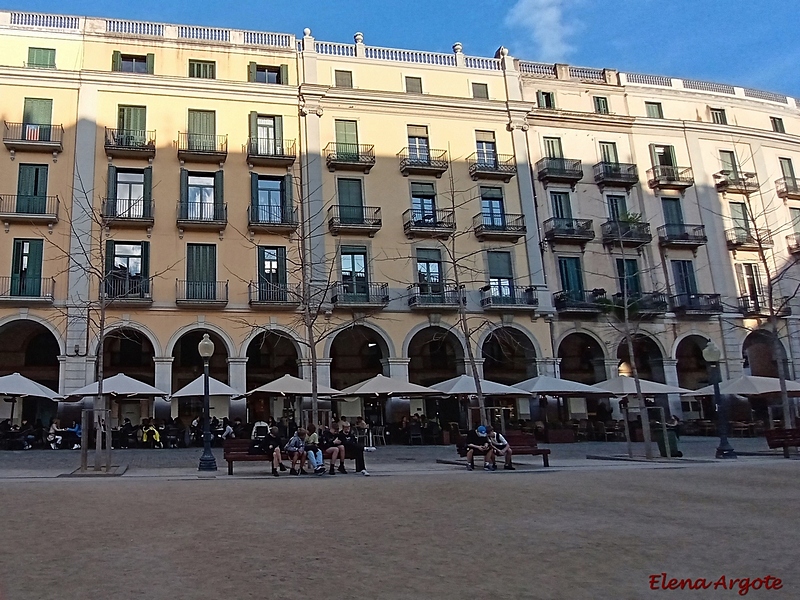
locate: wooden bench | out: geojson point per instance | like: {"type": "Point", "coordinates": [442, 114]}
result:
{"type": "Point", "coordinates": [238, 450]}
{"type": "Point", "coordinates": [522, 444]}
{"type": "Point", "coordinates": [783, 438]}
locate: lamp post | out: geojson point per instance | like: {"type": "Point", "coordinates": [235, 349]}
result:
{"type": "Point", "coordinates": [207, 460]}
{"type": "Point", "coordinates": [712, 354]}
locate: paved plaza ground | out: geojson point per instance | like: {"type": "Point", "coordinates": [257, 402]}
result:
{"type": "Point", "coordinates": [415, 529]}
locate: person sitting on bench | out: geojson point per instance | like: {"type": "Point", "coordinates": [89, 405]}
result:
{"type": "Point", "coordinates": [334, 447]}
{"type": "Point", "coordinates": [313, 453]}
{"type": "Point", "coordinates": [478, 443]}
{"type": "Point", "coordinates": [272, 446]}
{"type": "Point", "coordinates": [353, 448]}
{"type": "Point", "coordinates": [296, 449]}
{"type": "Point", "coordinates": [260, 429]}
{"type": "Point", "coordinates": [500, 447]}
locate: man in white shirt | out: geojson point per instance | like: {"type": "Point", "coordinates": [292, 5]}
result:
{"type": "Point", "coordinates": [501, 447]}
{"type": "Point", "coordinates": [260, 430]}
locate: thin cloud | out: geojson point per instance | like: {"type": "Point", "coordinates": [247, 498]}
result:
{"type": "Point", "coordinates": [544, 26]}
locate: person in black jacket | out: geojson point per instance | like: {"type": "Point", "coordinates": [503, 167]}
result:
{"type": "Point", "coordinates": [271, 446]}
{"type": "Point", "coordinates": [333, 447]}
{"type": "Point", "coordinates": [353, 449]}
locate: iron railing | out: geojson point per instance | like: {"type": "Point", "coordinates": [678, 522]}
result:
{"type": "Point", "coordinates": [626, 232]}
{"type": "Point", "coordinates": [696, 303]}
{"type": "Point", "coordinates": [201, 291]}
{"type": "Point", "coordinates": [735, 182]}
{"type": "Point", "coordinates": [266, 292]}
{"type": "Point", "coordinates": [25, 286]}
{"type": "Point", "coordinates": [130, 139]}
{"type": "Point", "coordinates": [435, 295]}
{"type": "Point", "coordinates": [576, 229]}
{"type": "Point", "coordinates": [559, 169]}
{"type": "Point", "coordinates": [360, 293]}
{"type": "Point", "coordinates": [122, 286]}
{"type": "Point", "coordinates": [33, 133]}
{"type": "Point", "coordinates": [488, 162]}
{"type": "Point", "coordinates": [758, 305]}
{"type": "Point", "coordinates": [642, 303]}
{"type": "Point", "coordinates": [494, 296]}
{"type": "Point", "coordinates": [127, 210]}
{"type": "Point", "coordinates": [668, 176]}
{"type": "Point", "coordinates": [681, 233]}
{"type": "Point", "coordinates": [747, 238]}
{"type": "Point", "coordinates": [270, 148]}
{"type": "Point", "coordinates": [344, 216]}
{"type": "Point", "coordinates": [202, 212]}
{"type": "Point", "coordinates": [593, 301]}
{"type": "Point", "coordinates": [616, 173]}
{"type": "Point", "coordinates": [440, 218]}
{"type": "Point", "coordinates": [788, 187]}
{"type": "Point", "coordinates": [260, 214]}
{"type": "Point", "coordinates": [340, 153]}
{"type": "Point", "coordinates": [485, 222]}
{"type": "Point", "coordinates": [203, 143]}
{"type": "Point", "coordinates": [34, 206]}
{"type": "Point", "coordinates": [423, 159]}
{"type": "Point", "coordinates": [793, 242]}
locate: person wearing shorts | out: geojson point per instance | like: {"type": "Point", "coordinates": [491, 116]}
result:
{"type": "Point", "coordinates": [478, 443]}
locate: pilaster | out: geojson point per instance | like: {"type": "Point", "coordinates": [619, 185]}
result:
{"type": "Point", "coordinates": [397, 367]}
{"type": "Point", "coordinates": [323, 370]}
{"type": "Point", "coordinates": [162, 408]}
{"type": "Point", "coordinates": [670, 366]}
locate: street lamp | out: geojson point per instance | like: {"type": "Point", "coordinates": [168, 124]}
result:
{"type": "Point", "coordinates": [207, 460]}
{"type": "Point", "coordinates": [712, 354]}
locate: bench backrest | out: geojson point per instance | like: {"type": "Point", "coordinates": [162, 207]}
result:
{"type": "Point", "coordinates": [779, 436]}
{"type": "Point", "coordinates": [236, 445]}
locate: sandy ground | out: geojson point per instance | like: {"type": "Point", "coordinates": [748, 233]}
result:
{"type": "Point", "coordinates": [581, 534]}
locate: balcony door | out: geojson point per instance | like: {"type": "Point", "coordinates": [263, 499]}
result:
{"type": "Point", "coordinates": [37, 114]}
{"type": "Point", "coordinates": [487, 149]}
{"type": "Point", "coordinates": [429, 272]}
{"type": "Point", "coordinates": [266, 135]}
{"type": "Point", "coordinates": [673, 217]}
{"type": "Point", "coordinates": [628, 277]}
{"type": "Point", "coordinates": [32, 189]}
{"type": "Point", "coordinates": [127, 267]}
{"type": "Point", "coordinates": [418, 149]}
{"type": "Point", "coordinates": [202, 131]}
{"type": "Point", "coordinates": [26, 269]}
{"type": "Point", "coordinates": [663, 156]}
{"type": "Point", "coordinates": [201, 272]}
{"type": "Point", "coordinates": [130, 195]}
{"type": "Point", "coordinates": [132, 126]}
{"type": "Point", "coordinates": [501, 278]}
{"type": "Point", "coordinates": [272, 274]}
{"type": "Point", "coordinates": [355, 284]}
{"type": "Point", "coordinates": [423, 204]}
{"type": "Point", "coordinates": [351, 201]}
{"type": "Point", "coordinates": [729, 163]}
{"type": "Point", "coordinates": [617, 207]}
{"type": "Point", "coordinates": [741, 222]}
{"type": "Point", "coordinates": [562, 208]}
{"type": "Point", "coordinates": [552, 148]}
{"type": "Point", "coordinates": [748, 278]}
{"type": "Point", "coordinates": [346, 140]}
{"type": "Point", "coordinates": [268, 199]}
{"type": "Point", "coordinates": [608, 153]}
{"type": "Point", "coordinates": [569, 270]}
{"type": "Point", "coordinates": [494, 215]}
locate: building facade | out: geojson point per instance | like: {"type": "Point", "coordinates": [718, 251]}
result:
{"type": "Point", "coordinates": [429, 206]}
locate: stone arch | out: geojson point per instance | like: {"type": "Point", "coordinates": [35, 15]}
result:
{"type": "Point", "coordinates": [691, 366]}
{"type": "Point", "coordinates": [357, 353]}
{"type": "Point", "coordinates": [125, 350]}
{"type": "Point", "coordinates": [143, 329]}
{"type": "Point", "coordinates": [279, 330]}
{"type": "Point", "coordinates": [230, 346]}
{"type": "Point", "coordinates": [587, 332]}
{"type": "Point", "coordinates": [683, 336]}
{"type": "Point", "coordinates": [386, 339]}
{"type": "Point", "coordinates": [435, 354]}
{"type": "Point", "coordinates": [648, 354]}
{"type": "Point", "coordinates": [44, 323]}
{"type": "Point", "coordinates": [445, 326]}
{"type": "Point", "coordinates": [759, 355]}
{"type": "Point", "coordinates": [537, 348]}
{"type": "Point", "coordinates": [643, 335]}
{"type": "Point", "coordinates": [582, 357]}
{"type": "Point", "coordinates": [509, 355]}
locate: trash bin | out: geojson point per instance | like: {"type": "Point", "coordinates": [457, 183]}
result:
{"type": "Point", "coordinates": [672, 440]}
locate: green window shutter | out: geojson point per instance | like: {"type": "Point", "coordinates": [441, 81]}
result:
{"type": "Point", "coordinates": [26, 183]}
{"type": "Point", "coordinates": [109, 257]}
{"type": "Point", "coordinates": [219, 193]}
{"type": "Point", "coordinates": [672, 211]}
{"type": "Point", "coordinates": [251, 71]}
{"type": "Point", "coordinates": [539, 99]}
{"type": "Point", "coordinates": [151, 64]}
{"type": "Point", "coordinates": [184, 186]}
{"type": "Point", "coordinates": [287, 195]}
{"type": "Point", "coordinates": [346, 132]}
{"type": "Point", "coordinates": [281, 256]}
{"type": "Point", "coordinates": [35, 250]}
{"type": "Point", "coordinates": [146, 260]}
{"type": "Point", "coordinates": [41, 57]}
{"type": "Point", "coordinates": [148, 192]}
{"type": "Point", "coordinates": [422, 189]}
{"type": "Point", "coordinates": [38, 111]}
{"type": "Point", "coordinates": [561, 205]}
{"type": "Point", "coordinates": [111, 190]}
{"type": "Point", "coordinates": [351, 202]}
{"type": "Point", "coordinates": [201, 264]}
{"type": "Point", "coordinates": [569, 268]}
{"type": "Point", "coordinates": [116, 60]}
{"type": "Point", "coordinates": [253, 125]}
{"type": "Point", "coordinates": [284, 75]}
{"type": "Point", "coordinates": [254, 192]}
{"type": "Point", "coordinates": [202, 122]}
{"type": "Point", "coordinates": [278, 121]}
{"type": "Point", "coordinates": [500, 265]}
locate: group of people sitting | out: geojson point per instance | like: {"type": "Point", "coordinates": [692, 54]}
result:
{"type": "Point", "coordinates": [306, 445]}
{"type": "Point", "coordinates": [490, 444]}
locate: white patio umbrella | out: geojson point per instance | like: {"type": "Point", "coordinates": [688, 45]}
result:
{"type": "Point", "coordinates": [119, 385]}
{"type": "Point", "coordinates": [626, 386]}
{"type": "Point", "coordinates": [292, 386]}
{"type": "Point", "coordinates": [215, 388]}
{"type": "Point", "coordinates": [464, 385]}
{"type": "Point", "coordinates": [553, 386]}
{"type": "Point", "coordinates": [380, 385]}
{"type": "Point", "coordinates": [17, 386]}
{"type": "Point", "coordinates": [749, 385]}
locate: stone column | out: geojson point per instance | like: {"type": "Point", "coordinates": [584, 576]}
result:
{"type": "Point", "coordinates": [551, 367]}
{"type": "Point", "coordinates": [163, 381]}
{"type": "Point", "coordinates": [478, 366]}
{"type": "Point", "coordinates": [612, 368]}
{"type": "Point", "coordinates": [323, 370]}
{"type": "Point", "coordinates": [396, 367]}
{"type": "Point", "coordinates": [237, 379]}
{"type": "Point", "coordinates": [671, 378]}
{"type": "Point", "coordinates": [732, 364]}
{"type": "Point", "coordinates": [793, 326]}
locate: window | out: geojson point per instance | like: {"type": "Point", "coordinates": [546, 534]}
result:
{"type": "Point", "coordinates": [662, 156]}
{"type": "Point", "coordinates": [346, 139]}
{"type": "Point", "coordinates": [127, 269]}
{"type": "Point", "coordinates": [794, 215]}
{"type": "Point", "coordinates": [133, 63]}
{"type": "Point", "coordinates": [601, 105]}
{"type": "Point", "coordinates": [201, 272]}
{"type": "Point", "coordinates": [608, 152]}
{"type": "Point", "coordinates": [787, 169]}
{"type": "Point", "coordinates": [418, 149]}
{"type": "Point", "coordinates": [748, 278]}
{"type": "Point", "coordinates": [423, 204]}
{"type": "Point", "coordinates": [628, 277]}
{"type": "Point", "coordinates": [343, 79]}
{"type": "Point", "coordinates": [129, 193]}
{"type": "Point", "coordinates": [480, 91]}
{"type": "Point", "coordinates": [654, 110]}
{"type": "Point", "coordinates": [546, 99]}
{"type": "Point", "coordinates": [355, 284]}
{"type": "Point", "coordinates": [571, 274]}
{"type": "Point", "coordinates": [272, 274]}
{"type": "Point", "coordinates": [730, 166]}
{"type": "Point", "coordinates": [32, 189]}
{"type": "Point", "coordinates": [37, 114]}
{"type": "Point", "coordinates": [270, 199]}
{"type": "Point", "coordinates": [429, 271]}
{"type": "Point", "coordinates": [561, 205]}
{"type": "Point", "coordinates": [494, 216]}
{"type": "Point", "coordinates": [487, 148]}
{"type": "Point", "coordinates": [777, 124]}
{"type": "Point", "coordinates": [266, 135]}
{"type": "Point", "coordinates": [266, 74]}
{"type": "Point", "coordinates": [202, 196]}
{"type": "Point", "coordinates": [673, 215]}
{"type": "Point", "coordinates": [683, 274]}
{"type": "Point", "coordinates": [351, 201]}
{"type": "Point", "coordinates": [413, 85]}
{"type": "Point", "coordinates": [552, 147]}
{"type": "Point", "coordinates": [202, 69]}
{"type": "Point", "coordinates": [202, 130]}
{"type": "Point", "coordinates": [718, 116]}
{"type": "Point", "coordinates": [131, 126]}
{"type": "Point", "coordinates": [501, 279]}
{"type": "Point", "coordinates": [739, 217]}
{"type": "Point", "coordinates": [41, 58]}
{"type": "Point", "coordinates": [26, 268]}
{"type": "Point", "coordinates": [617, 207]}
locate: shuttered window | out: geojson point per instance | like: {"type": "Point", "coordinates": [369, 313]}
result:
{"type": "Point", "coordinates": [202, 69]}
{"type": "Point", "coordinates": [683, 274]}
{"type": "Point", "coordinates": [601, 105]}
{"type": "Point", "coordinates": [132, 118]}
{"type": "Point", "coordinates": [480, 91]}
{"type": "Point", "coordinates": [201, 271]}
{"type": "Point", "coordinates": [413, 85]}
{"type": "Point", "coordinates": [32, 189]}
{"type": "Point", "coordinates": [351, 201]}
{"type": "Point", "coordinates": [569, 269]}
{"type": "Point", "coordinates": [42, 58]}
{"type": "Point", "coordinates": [26, 268]}
{"type": "Point", "coordinates": [552, 147]}
{"type": "Point", "coordinates": [628, 277]}
{"type": "Point", "coordinates": [343, 79]}
{"type": "Point", "coordinates": [608, 152]}
{"type": "Point", "coordinates": [654, 110]}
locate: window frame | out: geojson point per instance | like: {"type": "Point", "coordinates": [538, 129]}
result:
{"type": "Point", "coordinates": [718, 116]}
{"type": "Point", "coordinates": [51, 52]}
{"type": "Point", "coordinates": [342, 72]}
{"type": "Point", "coordinates": [777, 124]}
{"type": "Point", "coordinates": [202, 69]}
{"type": "Point", "coordinates": [598, 101]}
{"type": "Point", "coordinates": [654, 107]}
{"type": "Point", "coordinates": [412, 78]}
{"type": "Point", "coordinates": [546, 99]}
{"type": "Point", "coordinates": [480, 85]}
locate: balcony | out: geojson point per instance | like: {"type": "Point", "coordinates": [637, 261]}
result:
{"type": "Point", "coordinates": [732, 182]}
{"type": "Point", "coordinates": [568, 231]}
{"type": "Point", "coordinates": [272, 219]}
{"type": "Point", "coordinates": [696, 304]}
{"type": "Point", "coordinates": [435, 297]}
{"type": "Point", "coordinates": [357, 220]}
{"type": "Point", "coordinates": [439, 223]}
{"type": "Point", "coordinates": [349, 157]}
{"type": "Point", "coordinates": [615, 174]}
{"type": "Point", "coordinates": [488, 166]}
{"type": "Point", "coordinates": [274, 296]}
{"type": "Point", "coordinates": [130, 143]}
{"type": "Point", "coordinates": [758, 306]}
{"type": "Point", "coordinates": [559, 170]}
{"type": "Point", "coordinates": [19, 290]}
{"type": "Point", "coordinates": [202, 147]}
{"type": "Point", "coordinates": [793, 243]}
{"type": "Point", "coordinates": [202, 215]}
{"type": "Point", "coordinates": [127, 213]}
{"type": "Point", "coordinates": [30, 137]}
{"type": "Point", "coordinates": [360, 294]}
{"type": "Point", "coordinates": [508, 297]}
{"type": "Point", "coordinates": [28, 209]}
{"type": "Point", "coordinates": [681, 235]}
{"type": "Point", "coordinates": [667, 177]}
{"type": "Point", "coordinates": [265, 152]}
{"type": "Point", "coordinates": [415, 161]}
{"type": "Point", "coordinates": [490, 226]}
{"type": "Point", "coordinates": [122, 288]}
{"type": "Point", "coordinates": [642, 305]}
{"type": "Point", "coordinates": [626, 233]}
{"type": "Point", "coordinates": [579, 302]}
{"type": "Point", "coordinates": [788, 188]}
{"type": "Point", "coordinates": [201, 293]}
{"type": "Point", "coordinates": [744, 238]}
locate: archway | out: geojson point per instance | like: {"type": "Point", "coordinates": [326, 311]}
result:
{"type": "Point", "coordinates": [188, 366]}
{"type": "Point", "coordinates": [692, 375]}
{"type": "Point", "coordinates": [357, 354]}
{"type": "Point", "coordinates": [581, 359]}
{"type": "Point", "coordinates": [758, 352]}
{"type": "Point", "coordinates": [270, 355]}
{"type": "Point", "coordinates": [435, 354]}
{"type": "Point", "coordinates": [129, 351]}
{"type": "Point", "coordinates": [508, 356]}
{"type": "Point", "coordinates": [30, 349]}
{"type": "Point", "coordinates": [649, 360]}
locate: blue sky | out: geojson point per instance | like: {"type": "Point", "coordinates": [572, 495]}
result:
{"type": "Point", "coordinates": [752, 43]}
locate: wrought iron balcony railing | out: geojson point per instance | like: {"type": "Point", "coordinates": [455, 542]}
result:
{"type": "Point", "coordinates": [21, 207]}
{"type": "Point", "coordinates": [627, 233]}
{"type": "Point", "coordinates": [359, 157]}
{"type": "Point", "coordinates": [348, 293]}
{"type": "Point", "coordinates": [274, 295]}
{"type": "Point", "coordinates": [788, 188]}
{"type": "Point", "coordinates": [121, 210]}
{"type": "Point", "coordinates": [580, 301]}
{"type": "Point", "coordinates": [33, 137]}
{"type": "Point", "coordinates": [745, 238]}
{"type": "Point", "coordinates": [735, 182]}
{"type": "Point", "coordinates": [419, 161]}
{"type": "Point", "coordinates": [643, 305]}
{"type": "Point", "coordinates": [616, 174]}
{"type": "Point", "coordinates": [441, 221]}
{"type": "Point", "coordinates": [25, 288]}
{"type": "Point", "coordinates": [759, 306]}
{"type": "Point", "coordinates": [354, 219]}
{"type": "Point", "coordinates": [559, 170]}
{"type": "Point", "coordinates": [670, 178]}
{"type": "Point", "coordinates": [508, 297]}
{"type": "Point", "coordinates": [125, 287]}
{"type": "Point", "coordinates": [498, 226]}
{"type": "Point", "coordinates": [487, 165]}
{"type": "Point", "coordinates": [439, 296]}
{"type": "Point", "coordinates": [699, 304]}
{"type": "Point", "coordinates": [272, 218]}
{"type": "Point", "coordinates": [202, 147]}
{"type": "Point", "coordinates": [201, 292]}
{"type": "Point", "coordinates": [192, 212]}
{"type": "Point", "coordinates": [681, 234]}
{"type": "Point", "coordinates": [270, 152]}
{"type": "Point", "coordinates": [568, 230]}
{"type": "Point", "coordinates": [793, 242]}
{"type": "Point", "coordinates": [130, 143]}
